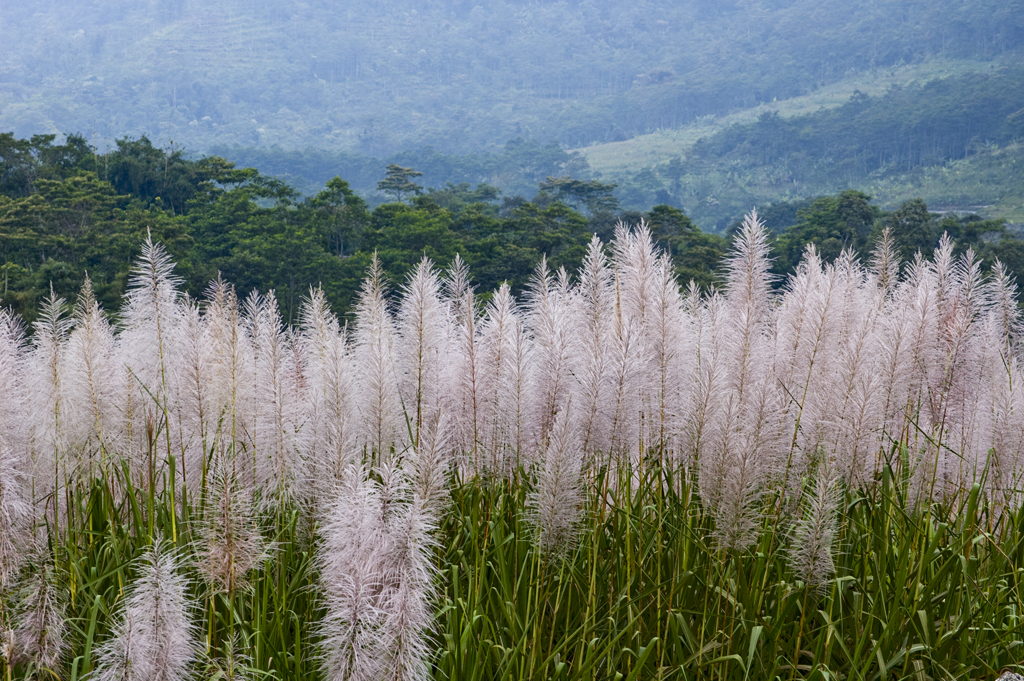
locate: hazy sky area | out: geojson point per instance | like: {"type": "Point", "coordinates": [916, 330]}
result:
{"type": "Point", "coordinates": [379, 76]}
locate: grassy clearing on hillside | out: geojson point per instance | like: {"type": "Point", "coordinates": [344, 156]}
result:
{"type": "Point", "coordinates": [988, 183]}
{"type": "Point", "coordinates": [644, 151]}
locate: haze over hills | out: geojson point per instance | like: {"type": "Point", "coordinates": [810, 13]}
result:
{"type": "Point", "coordinates": [276, 82]}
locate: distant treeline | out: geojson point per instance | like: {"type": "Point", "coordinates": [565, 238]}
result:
{"type": "Point", "coordinates": [516, 169]}
{"type": "Point", "coordinates": [67, 211]}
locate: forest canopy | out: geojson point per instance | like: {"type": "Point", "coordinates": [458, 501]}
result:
{"type": "Point", "coordinates": [67, 211]}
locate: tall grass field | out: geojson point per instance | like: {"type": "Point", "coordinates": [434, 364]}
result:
{"type": "Point", "coordinates": [613, 477]}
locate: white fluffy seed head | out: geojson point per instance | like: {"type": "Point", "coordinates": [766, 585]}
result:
{"type": "Point", "coordinates": [154, 638]}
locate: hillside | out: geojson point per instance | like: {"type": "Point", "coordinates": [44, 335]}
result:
{"type": "Point", "coordinates": [947, 132]}
{"type": "Point", "coordinates": [379, 77]}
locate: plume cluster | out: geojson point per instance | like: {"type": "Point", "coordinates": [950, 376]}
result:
{"type": "Point", "coordinates": [154, 638]}
{"type": "Point", "coordinates": [756, 392]}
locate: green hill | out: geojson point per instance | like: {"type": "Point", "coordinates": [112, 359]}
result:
{"type": "Point", "coordinates": [463, 76]}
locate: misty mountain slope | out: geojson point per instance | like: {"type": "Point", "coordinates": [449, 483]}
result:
{"type": "Point", "coordinates": [376, 77]}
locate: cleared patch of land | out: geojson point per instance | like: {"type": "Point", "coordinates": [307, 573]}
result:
{"type": "Point", "coordinates": [645, 151]}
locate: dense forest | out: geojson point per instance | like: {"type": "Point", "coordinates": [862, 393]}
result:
{"type": "Point", "coordinates": [378, 77]}
{"type": "Point", "coordinates": [865, 143]}
{"type": "Point", "coordinates": [68, 211]}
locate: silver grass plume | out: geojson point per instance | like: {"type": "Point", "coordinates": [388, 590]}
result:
{"type": "Point", "coordinates": [627, 350]}
{"type": "Point", "coordinates": [15, 495]}
{"type": "Point", "coordinates": [813, 536]}
{"type": "Point", "coordinates": [699, 414]}
{"type": "Point", "coordinates": [195, 412]}
{"type": "Point", "coordinates": [377, 579]}
{"type": "Point", "coordinates": [280, 392]}
{"type": "Point", "coordinates": [746, 428]}
{"type": "Point", "coordinates": [430, 461]}
{"type": "Point", "coordinates": [885, 263]}
{"type": "Point", "coordinates": [558, 497]}
{"type": "Point", "coordinates": [41, 626]}
{"type": "Point", "coordinates": [594, 313]}
{"type": "Point", "coordinates": [47, 411]}
{"type": "Point", "coordinates": [671, 345]}
{"type": "Point", "coordinates": [149, 316]}
{"type": "Point", "coordinates": [350, 554]}
{"type": "Point", "coordinates": [549, 304]}
{"type": "Point", "coordinates": [850, 415]}
{"type": "Point", "coordinates": [93, 383]}
{"type": "Point", "coordinates": [230, 377]}
{"type": "Point", "coordinates": [1007, 439]}
{"type": "Point", "coordinates": [468, 400]}
{"type": "Point", "coordinates": [408, 593]}
{"type": "Point", "coordinates": [805, 333]}
{"type": "Point", "coordinates": [154, 638]}
{"type": "Point", "coordinates": [423, 339]}
{"type": "Point", "coordinates": [230, 543]}
{"type": "Point", "coordinates": [501, 380]}
{"type": "Point", "coordinates": [332, 403]}
{"type": "Point", "coordinates": [1007, 313]}
{"type": "Point", "coordinates": [380, 411]}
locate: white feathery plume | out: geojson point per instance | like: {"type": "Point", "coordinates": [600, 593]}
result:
{"type": "Point", "coordinates": [149, 317]}
{"type": "Point", "coordinates": [407, 594]}
{"type": "Point", "coordinates": [41, 624]}
{"type": "Point", "coordinates": [969, 388]}
{"type": "Point", "coordinates": [909, 349]}
{"type": "Point", "coordinates": [154, 637]}
{"type": "Point", "coordinates": [947, 462]}
{"type": "Point", "coordinates": [593, 308]}
{"type": "Point", "coordinates": [885, 264]}
{"type": "Point", "coordinates": [520, 381]}
{"type": "Point", "coordinates": [626, 350]}
{"type": "Point", "coordinates": [1004, 306]}
{"type": "Point", "coordinates": [805, 331]}
{"type": "Point", "coordinates": [549, 305]}
{"type": "Point", "coordinates": [93, 383]}
{"type": "Point", "coordinates": [15, 516]}
{"type": "Point", "coordinates": [557, 499]}
{"type": "Point", "coordinates": [230, 543]}
{"type": "Point", "coordinates": [47, 411]}
{"type": "Point", "coordinates": [15, 495]}
{"type": "Point", "coordinates": [230, 376]}
{"type": "Point", "coordinates": [849, 415]}
{"type": "Point", "coordinates": [279, 387]}
{"type": "Point", "coordinates": [351, 552]}
{"type": "Point", "coordinates": [430, 460]}
{"type": "Point", "coordinates": [468, 399]}
{"type": "Point", "coordinates": [501, 380]}
{"type": "Point", "coordinates": [700, 414]}
{"type": "Point", "coordinates": [746, 430]}
{"type": "Point", "coordinates": [671, 343]}
{"type": "Point", "coordinates": [1007, 438]}
{"type": "Point", "coordinates": [377, 579]}
{"type": "Point", "coordinates": [641, 326]}
{"type": "Point", "coordinates": [636, 264]}
{"type": "Point", "coordinates": [380, 410]}
{"type": "Point", "coordinates": [331, 420]}
{"type": "Point", "coordinates": [420, 351]}
{"type": "Point", "coordinates": [195, 411]}
{"type": "Point", "coordinates": [813, 536]}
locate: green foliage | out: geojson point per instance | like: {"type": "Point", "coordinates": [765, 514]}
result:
{"type": "Point", "coordinates": [694, 253]}
{"type": "Point", "coordinates": [398, 182]}
{"type": "Point", "coordinates": [59, 219]}
{"type": "Point", "coordinates": [376, 78]}
{"type": "Point", "coordinates": [932, 592]}
{"type": "Point", "coordinates": [831, 223]}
